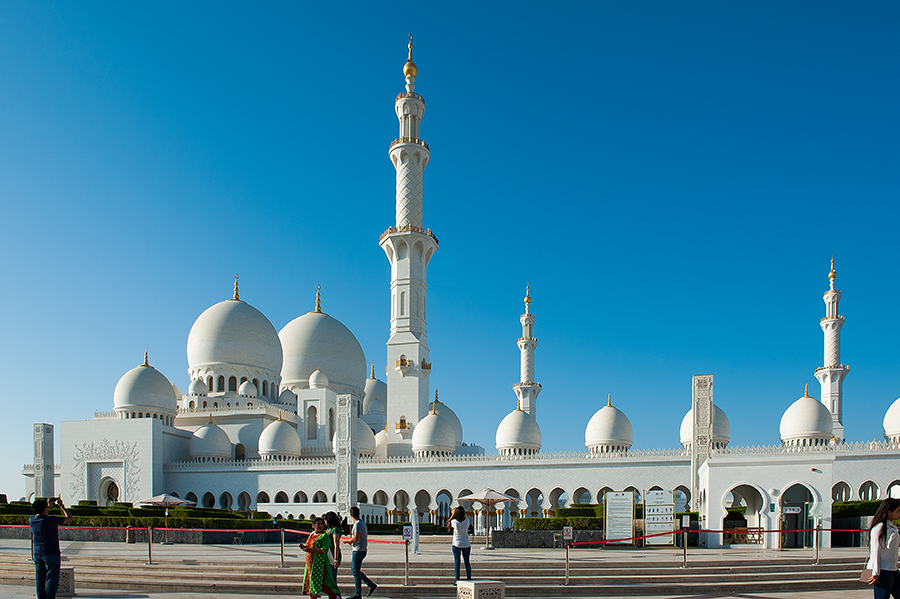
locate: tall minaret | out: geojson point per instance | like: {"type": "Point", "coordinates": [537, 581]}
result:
{"type": "Point", "coordinates": [527, 390]}
{"type": "Point", "coordinates": [409, 247]}
{"type": "Point", "coordinates": [832, 374]}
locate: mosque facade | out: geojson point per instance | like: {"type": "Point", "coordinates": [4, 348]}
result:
{"type": "Point", "coordinates": [294, 422]}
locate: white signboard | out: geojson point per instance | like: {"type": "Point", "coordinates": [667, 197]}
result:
{"type": "Point", "coordinates": [407, 533]}
{"type": "Point", "coordinates": [567, 533]}
{"type": "Point", "coordinates": [792, 509]}
{"type": "Point", "coordinates": [619, 520]}
{"type": "Point", "coordinates": [659, 517]}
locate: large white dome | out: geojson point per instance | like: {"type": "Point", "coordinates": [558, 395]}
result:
{"type": "Point", "coordinates": [144, 389]}
{"type": "Point", "coordinates": [433, 435]}
{"type": "Point", "coordinates": [279, 439]}
{"type": "Point", "coordinates": [518, 433]}
{"type": "Point", "coordinates": [806, 422]}
{"type": "Point", "coordinates": [892, 421]}
{"type": "Point", "coordinates": [609, 429]}
{"type": "Point", "coordinates": [721, 428]}
{"type": "Point", "coordinates": [316, 340]}
{"type": "Point", "coordinates": [210, 441]}
{"type": "Point", "coordinates": [234, 333]}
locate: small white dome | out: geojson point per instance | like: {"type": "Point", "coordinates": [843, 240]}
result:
{"type": "Point", "coordinates": [177, 391]}
{"type": "Point", "coordinates": [721, 433]}
{"type": "Point", "coordinates": [892, 421]}
{"type": "Point", "coordinates": [198, 387]}
{"type": "Point", "coordinates": [234, 333]}
{"type": "Point", "coordinates": [287, 397]}
{"type": "Point", "coordinates": [279, 439]}
{"type": "Point", "coordinates": [433, 435]}
{"type": "Point", "coordinates": [144, 389]}
{"type": "Point", "coordinates": [316, 340]}
{"type": "Point", "coordinates": [518, 433]}
{"type": "Point", "coordinates": [365, 440]}
{"type": "Point", "coordinates": [375, 391]}
{"type": "Point", "coordinates": [609, 429]}
{"type": "Point", "coordinates": [375, 407]}
{"type": "Point", "coordinates": [318, 380]}
{"type": "Point", "coordinates": [248, 389]}
{"type": "Point", "coordinates": [451, 417]}
{"type": "Point", "coordinates": [806, 422]}
{"type": "Point", "coordinates": [210, 441]}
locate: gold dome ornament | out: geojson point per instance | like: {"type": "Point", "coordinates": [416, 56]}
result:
{"type": "Point", "coordinates": [409, 69]}
{"type": "Point", "coordinates": [832, 275]}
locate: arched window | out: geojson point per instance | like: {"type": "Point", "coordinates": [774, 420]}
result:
{"type": "Point", "coordinates": [331, 423]}
{"type": "Point", "coordinates": [204, 404]}
{"type": "Point", "coordinates": [256, 384]}
{"type": "Point", "coordinates": [265, 389]}
{"type": "Point", "coordinates": [209, 383]}
{"type": "Point", "coordinates": [300, 497]}
{"type": "Point", "coordinates": [243, 380]}
{"type": "Point", "coordinates": [312, 424]}
{"type": "Point", "coordinates": [191, 496]}
{"type": "Point", "coordinates": [191, 405]}
{"type": "Point", "coordinates": [240, 452]}
{"type": "Point", "coordinates": [220, 384]}
{"type": "Point", "coordinates": [232, 383]}
{"type": "Point", "coordinates": [262, 497]}
{"type": "Point", "coordinates": [281, 497]}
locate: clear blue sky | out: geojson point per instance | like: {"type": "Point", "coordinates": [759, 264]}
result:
{"type": "Point", "coordinates": [671, 177]}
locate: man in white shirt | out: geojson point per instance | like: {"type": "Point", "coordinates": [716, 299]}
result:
{"type": "Point", "coordinates": [359, 540]}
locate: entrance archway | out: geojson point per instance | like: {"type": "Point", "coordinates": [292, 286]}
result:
{"type": "Point", "coordinates": [797, 502]}
{"type": "Point", "coordinates": [746, 508]}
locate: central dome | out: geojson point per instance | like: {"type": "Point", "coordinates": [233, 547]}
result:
{"type": "Point", "coordinates": [518, 433]}
{"type": "Point", "coordinates": [806, 422]}
{"type": "Point", "coordinates": [318, 341]}
{"type": "Point", "coordinates": [609, 429]}
{"type": "Point", "coordinates": [235, 333]}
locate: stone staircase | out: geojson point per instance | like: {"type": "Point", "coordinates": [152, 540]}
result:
{"type": "Point", "coordinates": [542, 578]}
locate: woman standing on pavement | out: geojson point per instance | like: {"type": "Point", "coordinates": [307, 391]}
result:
{"type": "Point", "coordinates": [458, 524]}
{"type": "Point", "coordinates": [884, 542]}
{"type": "Point", "coordinates": [333, 527]}
{"type": "Point", "coordinates": [318, 577]}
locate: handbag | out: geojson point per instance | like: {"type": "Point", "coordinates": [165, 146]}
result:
{"type": "Point", "coordinates": [865, 575]}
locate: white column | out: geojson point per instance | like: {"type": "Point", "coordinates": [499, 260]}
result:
{"type": "Point", "coordinates": [527, 389]}
{"type": "Point", "coordinates": [831, 374]}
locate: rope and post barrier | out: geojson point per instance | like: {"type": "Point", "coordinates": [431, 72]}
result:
{"type": "Point", "coordinates": [567, 565]}
{"type": "Point", "coordinates": [406, 573]}
{"type": "Point", "coordinates": [282, 549]}
{"type": "Point", "coordinates": [684, 547]}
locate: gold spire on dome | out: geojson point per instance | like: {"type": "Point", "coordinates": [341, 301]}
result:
{"type": "Point", "coordinates": [436, 400]}
{"type": "Point", "coordinates": [146, 360]}
{"type": "Point", "coordinates": [318, 299]}
{"type": "Point", "coordinates": [806, 391]}
{"type": "Point", "coordinates": [609, 400]}
{"type": "Point", "coordinates": [210, 419]}
{"type": "Point", "coordinates": [373, 370]}
{"type": "Point", "coordinates": [518, 405]}
{"type": "Point", "coordinates": [832, 274]}
{"type": "Point", "coordinates": [237, 295]}
{"type": "Point", "coordinates": [409, 69]}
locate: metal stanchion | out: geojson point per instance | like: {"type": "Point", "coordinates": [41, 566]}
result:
{"type": "Point", "coordinates": [818, 537]}
{"type": "Point", "coordinates": [684, 547]}
{"type": "Point", "coordinates": [406, 574]}
{"type": "Point", "coordinates": [567, 565]}
{"type": "Point", "coordinates": [149, 546]}
{"type": "Point", "coordinates": [282, 549]}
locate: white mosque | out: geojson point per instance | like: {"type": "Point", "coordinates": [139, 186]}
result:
{"type": "Point", "coordinates": [260, 426]}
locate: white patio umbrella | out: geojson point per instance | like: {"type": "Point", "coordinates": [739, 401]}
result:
{"type": "Point", "coordinates": [165, 500]}
{"type": "Point", "coordinates": [488, 498]}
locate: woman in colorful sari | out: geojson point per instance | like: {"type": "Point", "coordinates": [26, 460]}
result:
{"type": "Point", "coordinates": [318, 577]}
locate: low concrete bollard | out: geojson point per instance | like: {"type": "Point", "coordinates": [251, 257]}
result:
{"type": "Point", "coordinates": [480, 589]}
{"type": "Point", "coordinates": [66, 582]}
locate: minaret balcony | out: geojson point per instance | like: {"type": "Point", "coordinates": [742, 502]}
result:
{"type": "Point", "coordinates": [408, 229]}
{"type": "Point", "coordinates": [402, 95]}
{"type": "Point", "coordinates": [410, 140]}
{"type": "Point", "coordinates": [403, 365]}
{"type": "Point", "coordinates": [833, 367]}
{"type": "Point", "coordinates": [426, 366]}
{"type": "Point", "coordinates": [838, 317]}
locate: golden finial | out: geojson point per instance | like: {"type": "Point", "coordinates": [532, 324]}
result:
{"type": "Point", "coordinates": [146, 359]}
{"type": "Point", "coordinates": [280, 419]}
{"type": "Point", "coordinates": [210, 419]}
{"type": "Point", "coordinates": [832, 274]}
{"type": "Point", "coordinates": [318, 299]}
{"type": "Point", "coordinates": [518, 405]}
{"type": "Point", "coordinates": [806, 391]}
{"type": "Point", "coordinates": [609, 400]}
{"type": "Point", "coordinates": [409, 69]}
{"type": "Point", "coordinates": [236, 294]}
{"type": "Point", "coordinates": [436, 400]}
{"type": "Point", "coordinates": [373, 370]}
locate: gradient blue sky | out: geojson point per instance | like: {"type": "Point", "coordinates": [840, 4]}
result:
{"type": "Point", "coordinates": [672, 177]}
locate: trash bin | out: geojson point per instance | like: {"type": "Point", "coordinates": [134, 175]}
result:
{"type": "Point", "coordinates": [66, 582]}
{"type": "Point", "coordinates": [129, 534]}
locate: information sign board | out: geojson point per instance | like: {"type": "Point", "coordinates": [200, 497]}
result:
{"type": "Point", "coordinates": [567, 533]}
{"type": "Point", "coordinates": [659, 517]}
{"type": "Point", "coordinates": [407, 533]}
{"type": "Point", "coordinates": [619, 520]}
